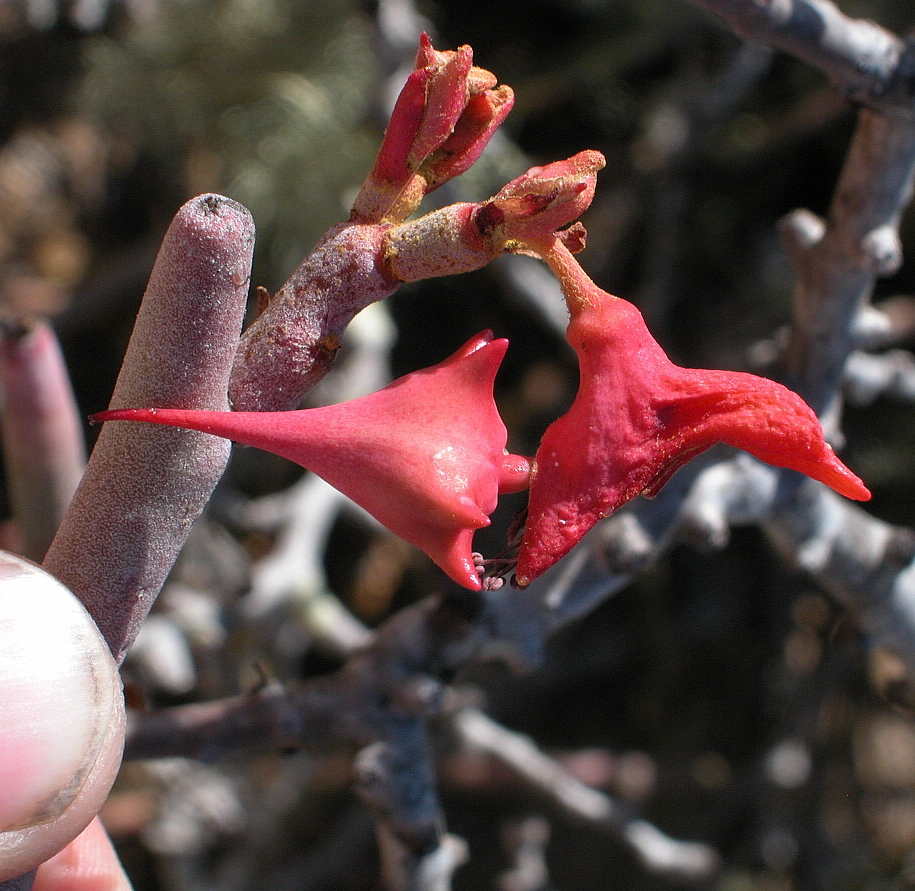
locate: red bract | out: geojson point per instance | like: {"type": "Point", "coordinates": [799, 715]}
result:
{"type": "Point", "coordinates": [425, 455]}
{"type": "Point", "coordinates": [445, 115]}
{"type": "Point", "coordinates": [637, 418]}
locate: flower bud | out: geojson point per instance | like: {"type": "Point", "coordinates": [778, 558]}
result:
{"type": "Point", "coordinates": [445, 115]}
{"type": "Point", "coordinates": [543, 199]}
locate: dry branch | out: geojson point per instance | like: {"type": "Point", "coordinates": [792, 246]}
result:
{"type": "Point", "coordinates": [658, 853]}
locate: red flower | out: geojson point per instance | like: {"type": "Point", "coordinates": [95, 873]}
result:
{"type": "Point", "coordinates": [637, 418]}
{"type": "Point", "coordinates": [444, 117]}
{"type": "Point", "coordinates": [425, 455]}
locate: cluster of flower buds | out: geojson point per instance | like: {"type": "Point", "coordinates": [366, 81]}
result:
{"type": "Point", "coordinates": [443, 119]}
{"type": "Point", "coordinates": [426, 455]}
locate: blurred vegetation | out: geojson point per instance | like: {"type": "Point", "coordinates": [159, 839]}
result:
{"type": "Point", "coordinates": [738, 696]}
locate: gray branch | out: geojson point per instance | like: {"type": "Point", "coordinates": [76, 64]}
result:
{"type": "Point", "coordinates": [838, 261]}
{"type": "Point", "coordinates": [871, 65]}
{"type": "Point", "coordinates": [396, 780]}
{"type": "Point", "coordinates": [868, 377]}
{"type": "Point", "coordinates": [658, 853]}
{"type": "Point", "coordinates": [866, 564]}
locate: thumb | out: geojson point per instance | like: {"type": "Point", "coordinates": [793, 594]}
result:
{"type": "Point", "coordinates": [61, 717]}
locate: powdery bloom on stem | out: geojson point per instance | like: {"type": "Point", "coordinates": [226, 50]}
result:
{"type": "Point", "coordinates": [425, 455]}
{"type": "Point", "coordinates": [637, 418]}
{"type": "Point", "coordinates": [43, 446]}
{"type": "Point", "coordinates": [289, 347]}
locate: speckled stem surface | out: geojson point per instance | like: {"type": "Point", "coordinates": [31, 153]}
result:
{"type": "Point", "coordinates": [145, 486]}
{"type": "Point", "coordinates": [292, 343]}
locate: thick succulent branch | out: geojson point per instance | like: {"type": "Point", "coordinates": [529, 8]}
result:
{"type": "Point", "coordinates": [144, 486]}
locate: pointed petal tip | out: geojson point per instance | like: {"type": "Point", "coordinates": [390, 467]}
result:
{"type": "Point", "coordinates": [425, 52]}
{"type": "Point", "coordinates": [859, 493]}
{"type": "Point", "coordinates": [471, 581]}
{"type": "Point", "coordinates": [458, 564]}
{"type": "Point", "coordinates": [842, 480]}
{"type": "Point", "coordinates": [495, 348]}
{"type": "Point", "coordinates": [478, 341]}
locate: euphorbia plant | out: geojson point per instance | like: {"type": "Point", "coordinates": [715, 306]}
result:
{"type": "Point", "coordinates": [426, 455]}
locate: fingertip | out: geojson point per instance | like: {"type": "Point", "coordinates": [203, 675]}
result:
{"type": "Point", "coordinates": [88, 863]}
{"type": "Point", "coordinates": [62, 714]}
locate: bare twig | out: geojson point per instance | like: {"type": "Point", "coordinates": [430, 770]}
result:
{"type": "Point", "coordinates": [658, 853]}
{"type": "Point", "coordinates": [868, 565]}
{"type": "Point", "coordinates": [526, 841]}
{"type": "Point", "coordinates": [837, 262]}
{"type": "Point", "coordinates": [349, 708]}
{"type": "Point", "coordinates": [899, 311]}
{"type": "Point", "coordinates": [379, 699]}
{"type": "Point", "coordinates": [868, 377]}
{"type": "Point", "coordinates": [396, 781]}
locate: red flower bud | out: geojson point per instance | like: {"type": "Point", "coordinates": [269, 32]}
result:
{"type": "Point", "coordinates": [637, 418]}
{"type": "Point", "coordinates": [445, 115]}
{"type": "Point", "coordinates": [482, 116]}
{"type": "Point", "coordinates": [425, 455]}
{"type": "Point", "coordinates": [543, 199]}
{"type": "Point", "coordinates": [525, 212]}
